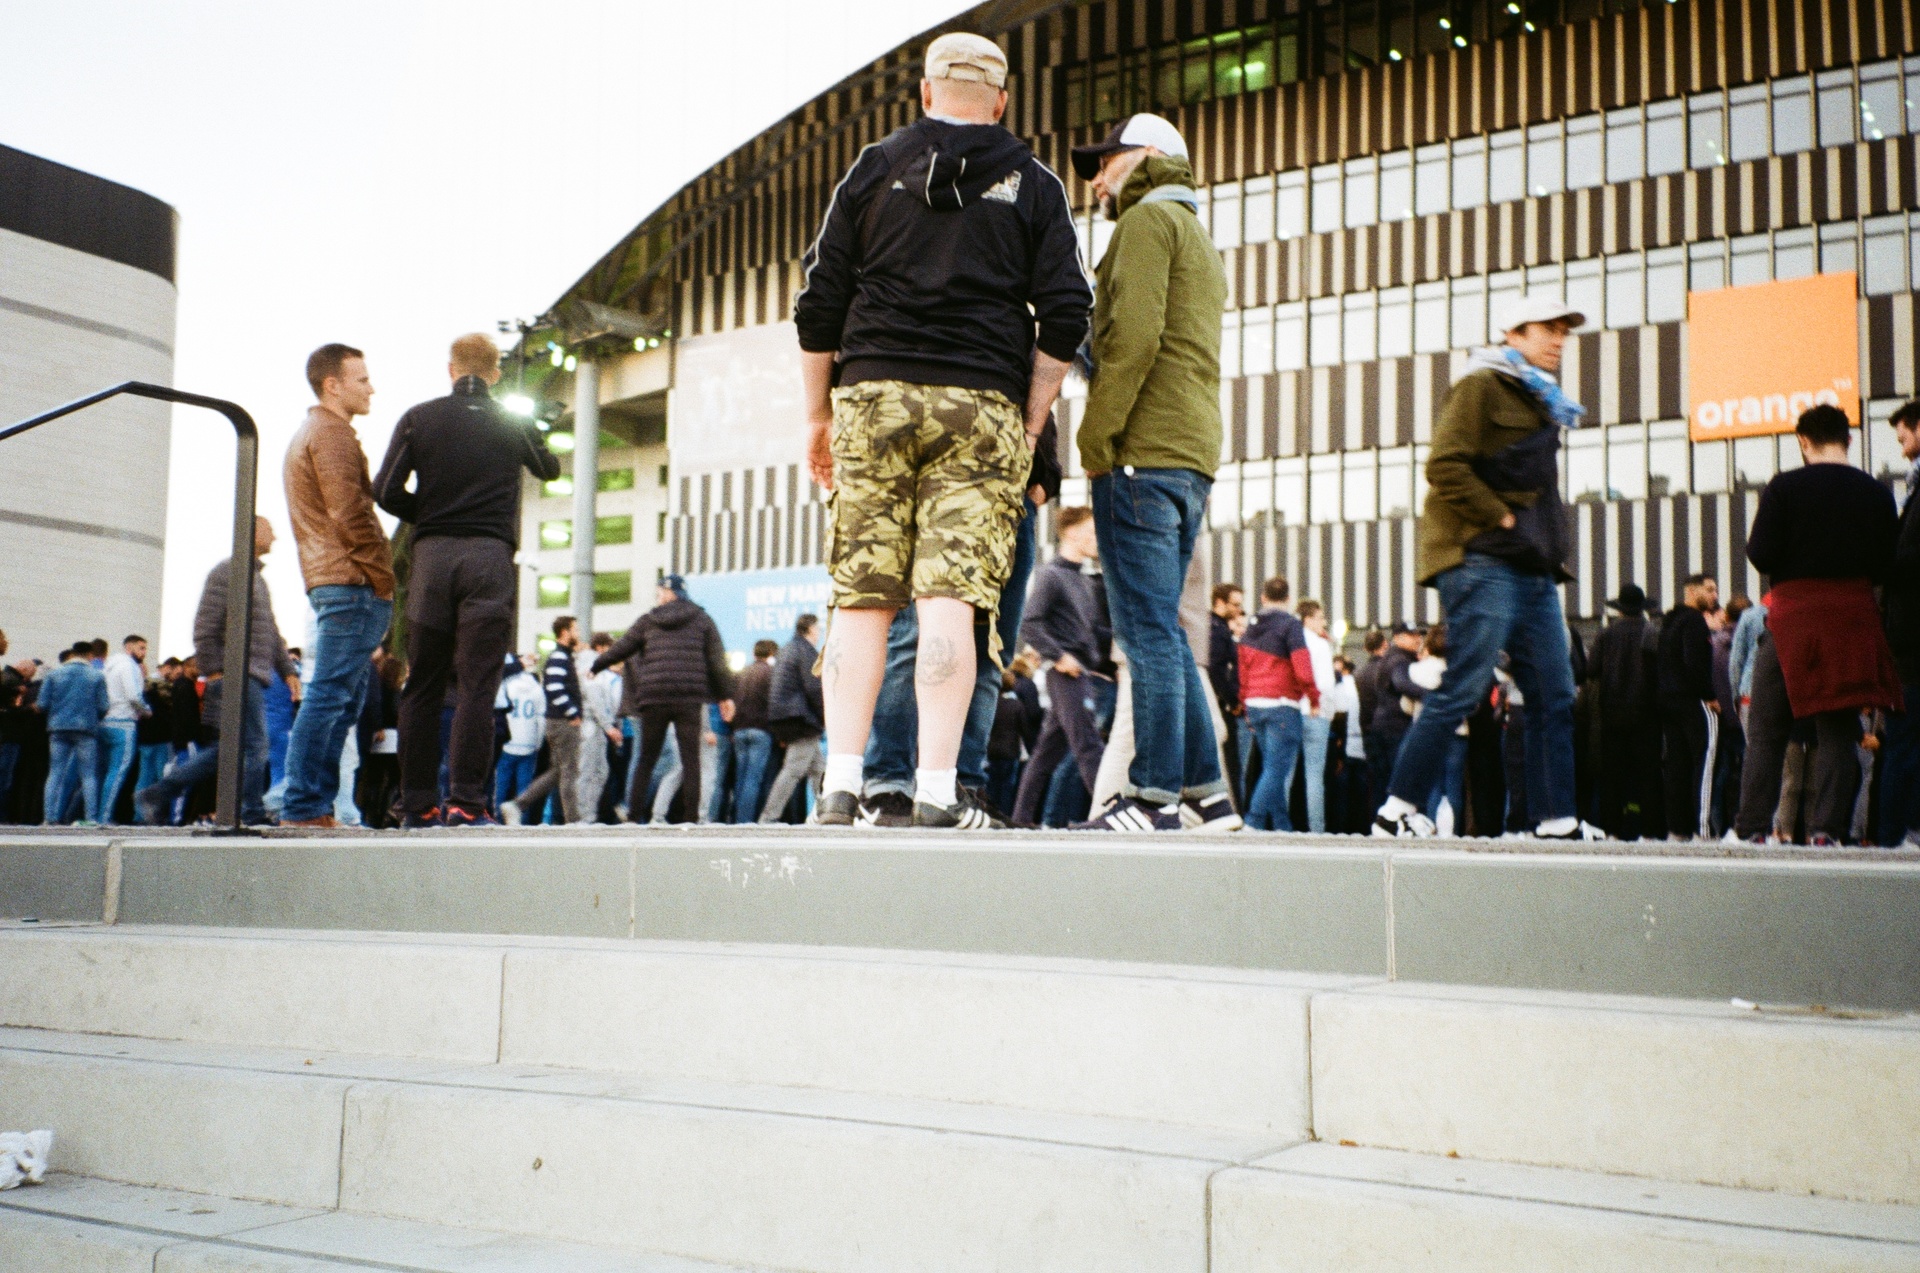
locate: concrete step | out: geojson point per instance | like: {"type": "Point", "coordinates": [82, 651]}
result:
{"type": "Point", "coordinates": [75, 1225]}
{"type": "Point", "coordinates": [821, 1181]}
{"type": "Point", "coordinates": [1800, 1101]}
{"type": "Point", "coordinates": [1325, 1209]}
{"type": "Point", "coordinates": [1221, 1049]}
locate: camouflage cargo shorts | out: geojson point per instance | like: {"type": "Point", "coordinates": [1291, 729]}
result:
{"type": "Point", "coordinates": [927, 489]}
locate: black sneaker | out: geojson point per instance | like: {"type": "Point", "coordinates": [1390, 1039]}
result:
{"type": "Point", "coordinates": [419, 821]}
{"type": "Point", "coordinates": [836, 809]}
{"type": "Point", "coordinates": [887, 809]}
{"type": "Point", "coordinates": [1129, 814]}
{"type": "Point", "coordinates": [1408, 826]}
{"type": "Point", "coordinates": [454, 816]}
{"type": "Point", "coordinates": [1212, 816]}
{"type": "Point", "coordinates": [964, 814]}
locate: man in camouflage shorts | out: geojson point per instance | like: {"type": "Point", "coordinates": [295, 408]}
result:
{"type": "Point", "coordinates": [944, 298]}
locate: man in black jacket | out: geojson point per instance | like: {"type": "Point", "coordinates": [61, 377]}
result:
{"type": "Point", "coordinates": [1063, 624]}
{"type": "Point", "coordinates": [466, 454]}
{"type": "Point", "coordinates": [1387, 725]}
{"type": "Point", "coordinates": [560, 682]}
{"type": "Point", "coordinates": [1223, 673]}
{"type": "Point", "coordinates": [945, 298]}
{"type": "Point", "coordinates": [1629, 768]}
{"type": "Point", "coordinates": [795, 717]}
{"type": "Point", "coordinates": [1689, 710]}
{"type": "Point", "coordinates": [1900, 599]}
{"type": "Point", "coordinates": [676, 665]}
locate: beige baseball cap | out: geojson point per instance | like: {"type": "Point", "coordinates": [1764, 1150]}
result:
{"type": "Point", "coordinates": [967, 57]}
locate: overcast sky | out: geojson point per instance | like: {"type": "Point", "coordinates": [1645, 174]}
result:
{"type": "Point", "coordinates": [390, 175]}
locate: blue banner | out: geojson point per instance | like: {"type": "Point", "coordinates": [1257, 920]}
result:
{"type": "Point", "coordinates": [760, 605]}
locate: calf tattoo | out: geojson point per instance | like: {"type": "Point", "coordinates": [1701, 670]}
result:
{"type": "Point", "coordinates": [938, 662]}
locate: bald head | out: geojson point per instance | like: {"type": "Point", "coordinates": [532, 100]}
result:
{"type": "Point", "coordinates": [970, 100]}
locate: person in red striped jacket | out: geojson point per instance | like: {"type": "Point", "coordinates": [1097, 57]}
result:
{"type": "Point", "coordinates": [1277, 689]}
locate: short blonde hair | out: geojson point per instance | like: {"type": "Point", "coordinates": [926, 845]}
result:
{"type": "Point", "coordinates": [475, 354]}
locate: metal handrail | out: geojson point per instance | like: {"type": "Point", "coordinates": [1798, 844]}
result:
{"type": "Point", "coordinates": [239, 578]}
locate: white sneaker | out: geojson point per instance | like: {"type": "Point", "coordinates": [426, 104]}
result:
{"type": "Point", "coordinates": [510, 813]}
{"type": "Point", "coordinates": [1582, 832]}
{"type": "Point", "coordinates": [1408, 826]}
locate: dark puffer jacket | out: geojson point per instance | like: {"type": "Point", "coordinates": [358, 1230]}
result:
{"type": "Point", "coordinates": [673, 654]}
{"type": "Point", "coordinates": [793, 700]}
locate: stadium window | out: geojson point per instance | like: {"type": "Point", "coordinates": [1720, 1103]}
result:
{"type": "Point", "coordinates": [1587, 466]}
{"type": "Point", "coordinates": [1550, 278]}
{"type": "Point", "coordinates": [1256, 207]}
{"type": "Point", "coordinates": [1706, 131]}
{"type": "Point", "coordinates": [1626, 157]}
{"type": "Point", "coordinates": [1666, 285]}
{"type": "Point", "coordinates": [1469, 311]}
{"type": "Point", "coordinates": [616, 528]}
{"type": "Point", "coordinates": [1750, 261]}
{"type": "Point", "coordinates": [1362, 191]}
{"type": "Point", "coordinates": [660, 528]}
{"type": "Point", "coordinates": [1256, 342]}
{"type": "Point", "coordinates": [1626, 291]}
{"type": "Point", "coordinates": [1706, 266]}
{"type": "Point", "coordinates": [1838, 252]}
{"type": "Point", "coordinates": [617, 480]}
{"type": "Point", "coordinates": [1290, 492]}
{"type": "Point", "coordinates": [1586, 291]}
{"type": "Point", "coordinates": [1836, 107]}
{"type": "Point", "coordinates": [1885, 255]}
{"type": "Point", "coordinates": [1290, 204]}
{"type": "Point", "coordinates": [1106, 91]}
{"type": "Point", "coordinates": [1666, 138]}
{"type": "Point", "coordinates": [1290, 336]}
{"type": "Point", "coordinates": [1430, 317]}
{"type": "Point", "coordinates": [1430, 179]}
{"type": "Point", "coordinates": [1259, 66]}
{"type": "Point", "coordinates": [1256, 493]}
{"type": "Point", "coordinates": [1667, 454]}
{"type": "Point", "coordinates": [1793, 254]}
{"type": "Point", "coordinates": [1792, 115]}
{"type": "Point", "coordinates": [1709, 467]}
{"type": "Point", "coordinates": [1396, 482]}
{"type": "Point", "coordinates": [1747, 133]}
{"type": "Point", "coordinates": [1627, 461]}
{"type": "Point", "coordinates": [1470, 172]}
{"type": "Point", "coordinates": [562, 485]}
{"type": "Point", "coordinates": [1326, 198]}
{"type": "Point", "coordinates": [1546, 160]}
{"type": "Point", "coordinates": [1396, 322]}
{"type": "Point", "coordinates": [1396, 186]}
{"type": "Point", "coordinates": [556, 534]}
{"type": "Point", "coordinates": [1753, 463]}
{"type": "Point", "coordinates": [1883, 458]}
{"type": "Point", "coordinates": [1223, 501]}
{"type": "Point", "coordinates": [1196, 71]}
{"type": "Point", "coordinates": [1584, 152]}
{"type": "Point", "coordinates": [1226, 216]}
{"type": "Point", "coordinates": [1360, 487]}
{"type": "Point", "coordinates": [613, 588]}
{"type": "Point", "coordinates": [1358, 333]}
{"type": "Point", "coordinates": [1323, 489]}
{"type": "Point", "coordinates": [1502, 290]}
{"type": "Point", "coordinates": [554, 591]}
{"type": "Point", "coordinates": [1286, 52]}
{"type": "Point", "coordinates": [1787, 448]}
{"type": "Point", "coordinates": [1229, 345]}
{"type": "Point", "coordinates": [664, 478]}
{"type": "Point", "coordinates": [1166, 78]}
{"type": "Point", "coordinates": [1507, 167]}
{"type": "Point", "coordinates": [1074, 78]}
{"type": "Point", "coordinates": [1882, 113]}
{"type": "Point", "coordinates": [1323, 331]}
{"type": "Point", "coordinates": [1912, 68]}
{"type": "Point", "coordinates": [1136, 83]}
{"type": "Point", "coordinates": [1229, 74]}
{"type": "Point", "coordinates": [1421, 454]}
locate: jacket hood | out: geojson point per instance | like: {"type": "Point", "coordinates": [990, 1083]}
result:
{"type": "Point", "coordinates": [954, 165]}
{"type": "Point", "coordinates": [1154, 172]}
{"type": "Point", "coordinates": [674, 614]}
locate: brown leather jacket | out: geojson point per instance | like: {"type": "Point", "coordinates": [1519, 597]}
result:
{"type": "Point", "coordinates": [330, 499]}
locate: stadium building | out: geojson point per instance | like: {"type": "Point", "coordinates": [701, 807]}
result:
{"type": "Point", "coordinates": [1380, 176]}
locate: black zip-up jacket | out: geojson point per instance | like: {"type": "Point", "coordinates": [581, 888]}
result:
{"type": "Point", "coordinates": [1223, 664]}
{"type": "Point", "coordinates": [793, 697]}
{"type": "Point", "coordinates": [1389, 718]}
{"type": "Point", "coordinates": [1686, 656]}
{"type": "Point", "coordinates": [673, 654]}
{"type": "Point", "coordinates": [1062, 616]}
{"type": "Point", "coordinates": [1619, 667]}
{"type": "Point", "coordinates": [933, 247]}
{"type": "Point", "coordinates": [468, 453]}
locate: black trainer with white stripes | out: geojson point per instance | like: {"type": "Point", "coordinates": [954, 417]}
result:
{"type": "Point", "coordinates": [964, 814]}
{"type": "Point", "coordinates": [1129, 814]}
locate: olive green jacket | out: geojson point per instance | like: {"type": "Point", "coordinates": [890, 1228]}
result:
{"type": "Point", "coordinates": [1483, 413]}
{"type": "Point", "coordinates": [1158, 296]}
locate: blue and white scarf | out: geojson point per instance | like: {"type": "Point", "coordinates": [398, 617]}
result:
{"type": "Point", "coordinates": [1507, 360]}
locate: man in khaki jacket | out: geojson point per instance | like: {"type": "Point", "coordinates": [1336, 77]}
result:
{"type": "Point", "coordinates": [348, 567]}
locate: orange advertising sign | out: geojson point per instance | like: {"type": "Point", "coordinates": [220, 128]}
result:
{"type": "Point", "coordinates": [1758, 356]}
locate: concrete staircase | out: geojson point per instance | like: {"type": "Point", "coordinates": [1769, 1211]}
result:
{"type": "Point", "coordinates": [317, 1101]}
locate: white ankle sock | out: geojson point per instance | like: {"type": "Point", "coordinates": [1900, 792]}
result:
{"type": "Point", "coordinates": [937, 786]}
{"type": "Point", "coordinates": [1395, 807]}
{"type": "Point", "coordinates": [843, 772]}
{"type": "Point", "coordinates": [1557, 826]}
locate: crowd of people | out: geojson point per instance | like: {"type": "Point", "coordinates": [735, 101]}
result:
{"type": "Point", "coordinates": [961, 685]}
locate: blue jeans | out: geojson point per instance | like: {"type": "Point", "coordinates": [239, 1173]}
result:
{"type": "Point", "coordinates": [74, 757]}
{"type": "Point", "coordinates": [751, 747]}
{"type": "Point", "coordinates": [119, 746]}
{"type": "Point", "coordinates": [154, 758]}
{"type": "Point", "coordinates": [1281, 733]}
{"type": "Point", "coordinates": [512, 774]}
{"type": "Point", "coordinates": [1451, 785]}
{"type": "Point", "coordinates": [349, 622]}
{"type": "Point", "coordinates": [1491, 607]}
{"type": "Point", "coordinates": [1900, 773]}
{"type": "Point", "coordinates": [1314, 732]}
{"type": "Point", "coordinates": [9, 760]}
{"type": "Point", "coordinates": [1148, 520]}
{"type": "Point", "coordinates": [896, 719]}
{"type": "Point", "coordinates": [190, 771]}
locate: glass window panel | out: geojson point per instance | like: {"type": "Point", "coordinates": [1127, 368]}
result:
{"type": "Point", "coordinates": [1256, 210]}
{"type": "Point", "coordinates": [1507, 167]}
{"type": "Point", "coordinates": [616, 479]}
{"type": "Point", "coordinates": [1259, 60]}
{"type": "Point", "coordinates": [1429, 318]}
{"type": "Point", "coordinates": [1883, 458]}
{"type": "Point", "coordinates": [1227, 70]}
{"type": "Point", "coordinates": [1357, 327]}
{"type": "Point", "coordinates": [614, 529]}
{"type": "Point", "coordinates": [1203, 206]}
{"type": "Point", "coordinates": [1106, 91]}
{"type": "Point", "coordinates": [1323, 331]}
{"type": "Point", "coordinates": [1914, 240]}
{"type": "Point", "coordinates": [1326, 198]}
{"type": "Point", "coordinates": [1323, 477]}
{"type": "Point", "coordinates": [1396, 482]}
{"type": "Point", "coordinates": [1076, 81]}
{"type": "Point", "coordinates": [1286, 56]}
{"type": "Point", "coordinates": [1584, 168]}
{"type": "Point", "coordinates": [1586, 291]}
{"type": "Point", "coordinates": [1420, 456]}
{"type": "Point", "coordinates": [1706, 131]}
{"type": "Point", "coordinates": [1290, 492]}
{"type": "Point", "coordinates": [1792, 116]}
{"type": "Point", "coordinates": [1196, 71]}
{"type": "Point", "coordinates": [1836, 108]}
{"type": "Point", "coordinates": [1587, 465]}
{"type": "Point", "coordinates": [1256, 340]}
{"type": "Point", "coordinates": [1396, 186]}
{"type": "Point", "coordinates": [1706, 267]}
{"type": "Point", "coordinates": [1626, 156]}
{"type": "Point", "coordinates": [1503, 290]}
{"type": "Point", "coordinates": [1882, 113]}
{"type": "Point", "coordinates": [1166, 78]}
{"type": "Point", "coordinates": [613, 588]}
{"type": "Point", "coordinates": [1226, 217]}
{"type": "Point", "coordinates": [555, 590]}
{"type": "Point", "coordinates": [1667, 454]}
{"type": "Point", "coordinates": [1546, 278]}
{"type": "Point", "coordinates": [1626, 291]}
{"type": "Point", "coordinates": [1256, 490]}
{"type": "Point", "coordinates": [1750, 261]}
{"type": "Point", "coordinates": [1469, 312]}
{"type": "Point", "coordinates": [1229, 345]}
{"type": "Point", "coordinates": [1788, 446]}
{"type": "Point", "coordinates": [1627, 461]}
{"type": "Point", "coordinates": [556, 534]}
{"type": "Point", "coordinates": [1666, 138]}
{"type": "Point", "coordinates": [1396, 322]}
{"type": "Point", "coordinates": [1363, 191]}
{"type": "Point", "coordinates": [561, 485]}
{"type": "Point", "coordinates": [1546, 160]}
{"type": "Point", "coordinates": [1290, 205]}
{"type": "Point", "coordinates": [1430, 179]}
{"type": "Point", "coordinates": [1838, 254]}
{"type": "Point", "coordinates": [1666, 285]}
{"type": "Point", "coordinates": [1470, 172]}
{"type": "Point", "coordinates": [1289, 337]}
{"type": "Point", "coordinates": [1753, 463]}
{"type": "Point", "coordinates": [1360, 488]}
{"type": "Point", "coordinates": [1710, 468]}
{"type": "Point", "coordinates": [1747, 111]}
{"type": "Point", "coordinates": [1223, 503]}
{"type": "Point", "coordinates": [1885, 255]}
{"type": "Point", "coordinates": [1793, 254]}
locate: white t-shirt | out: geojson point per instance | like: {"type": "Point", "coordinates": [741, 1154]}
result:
{"type": "Point", "coordinates": [126, 688]}
{"type": "Point", "coordinates": [525, 704]}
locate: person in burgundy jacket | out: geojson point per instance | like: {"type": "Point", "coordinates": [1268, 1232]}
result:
{"type": "Point", "coordinates": [1276, 687]}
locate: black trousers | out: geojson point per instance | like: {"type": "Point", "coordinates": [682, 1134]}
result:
{"type": "Point", "coordinates": [1630, 802]}
{"type": "Point", "coordinates": [460, 598]}
{"type": "Point", "coordinates": [686, 720]}
{"type": "Point", "coordinates": [1835, 770]}
{"type": "Point", "coordinates": [1068, 723]}
{"type": "Point", "coordinates": [1691, 731]}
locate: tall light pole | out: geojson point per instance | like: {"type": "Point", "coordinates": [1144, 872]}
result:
{"type": "Point", "coordinates": [586, 487]}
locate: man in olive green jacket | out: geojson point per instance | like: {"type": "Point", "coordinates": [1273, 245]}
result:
{"type": "Point", "coordinates": [1494, 541]}
{"type": "Point", "coordinates": [1150, 440]}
